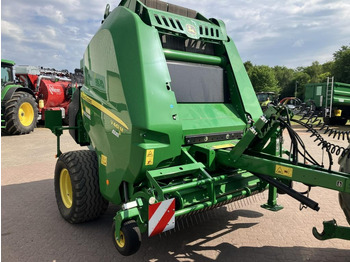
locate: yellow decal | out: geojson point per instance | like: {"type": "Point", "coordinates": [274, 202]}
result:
{"type": "Point", "coordinates": [191, 29]}
{"type": "Point", "coordinates": [103, 160]}
{"type": "Point", "coordinates": [223, 146]}
{"type": "Point", "coordinates": [284, 171]}
{"type": "Point", "coordinates": [149, 157]}
{"type": "Point", "coordinates": [337, 112]}
{"type": "Point", "coordinates": [117, 126]}
{"type": "Point", "coordinates": [103, 109]}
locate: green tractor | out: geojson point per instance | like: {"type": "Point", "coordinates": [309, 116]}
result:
{"type": "Point", "coordinates": [266, 98]}
{"type": "Point", "coordinates": [173, 127]}
{"type": "Point", "coordinates": [19, 110]}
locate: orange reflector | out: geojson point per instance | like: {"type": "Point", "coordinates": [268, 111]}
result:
{"type": "Point", "coordinates": [107, 182]}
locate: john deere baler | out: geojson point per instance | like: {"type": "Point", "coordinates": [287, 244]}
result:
{"type": "Point", "coordinates": [173, 126]}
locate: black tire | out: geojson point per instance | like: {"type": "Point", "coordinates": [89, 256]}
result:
{"type": "Point", "coordinates": [344, 201]}
{"type": "Point", "coordinates": [77, 187]}
{"type": "Point", "coordinates": [329, 121]}
{"type": "Point", "coordinates": [130, 239]}
{"type": "Point", "coordinates": [341, 121]}
{"type": "Point", "coordinates": [344, 198]}
{"type": "Point", "coordinates": [14, 107]}
{"type": "Point", "coordinates": [65, 120]}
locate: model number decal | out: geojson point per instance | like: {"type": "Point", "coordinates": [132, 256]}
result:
{"type": "Point", "coordinates": [103, 109]}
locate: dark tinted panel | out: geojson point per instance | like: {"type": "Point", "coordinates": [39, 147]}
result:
{"type": "Point", "coordinates": [197, 83]}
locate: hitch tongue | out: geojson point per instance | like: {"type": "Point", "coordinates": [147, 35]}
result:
{"type": "Point", "coordinates": [332, 230]}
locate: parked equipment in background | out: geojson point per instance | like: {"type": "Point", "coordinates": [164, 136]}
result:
{"type": "Point", "coordinates": [297, 107]}
{"type": "Point", "coordinates": [332, 100]}
{"type": "Point", "coordinates": [173, 127]}
{"type": "Point", "coordinates": [266, 98]}
{"type": "Point", "coordinates": [53, 89]}
{"type": "Point", "coordinates": [19, 109]}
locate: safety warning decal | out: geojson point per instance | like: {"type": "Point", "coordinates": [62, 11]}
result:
{"type": "Point", "coordinates": [161, 217]}
{"type": "Point", "coordinates": [103, 160]}
{"type": "Point", "coordinates": [149, 157]}
{"type": "Point", "coordinates": [284, 171]}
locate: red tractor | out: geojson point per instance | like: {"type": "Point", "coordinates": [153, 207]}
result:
{"type": "Point", "coordinates": [52, 89]}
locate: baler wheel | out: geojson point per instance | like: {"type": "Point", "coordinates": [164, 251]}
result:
{"type": "Point", "coordinates": [77, 187]}
{"type": "Point", "coordinates": [344, 201]}
{"type": "Point", "coordinates": [342, 121]}
{"type": "Point", "coordinates": [329, 120]}
{"type": "Point", "coordinates": [129, 240]}
{"type": "Point", "coordinates": [344, 198]}
{"type": "Point", "coordinates": [21, 114]}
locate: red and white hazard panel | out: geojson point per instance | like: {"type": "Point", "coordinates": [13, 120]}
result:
{"type": "Point", "coordinates": [161, 217]}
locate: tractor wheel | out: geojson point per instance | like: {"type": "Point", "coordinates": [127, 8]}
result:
{"type": "Point", "coordinates": [341, 121]}
{"type": "Point", "coordinates": [21, 114]}
{"type": "Point", "coordinates": [77, 187]}
{"type": "Point", "coordinates": [344, 198]}
{"type": "Point", "coordinates": [329, 121]}
{"type": "Point", "coordinates": [129, 240]}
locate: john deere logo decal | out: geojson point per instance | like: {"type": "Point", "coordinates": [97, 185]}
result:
{"type": "Point", "coordinates": [191, 29]}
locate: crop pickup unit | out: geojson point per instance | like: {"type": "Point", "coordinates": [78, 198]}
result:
{"type": "Point", "coordinates": [173, 128]}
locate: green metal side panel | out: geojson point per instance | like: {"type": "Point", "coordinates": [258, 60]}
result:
{"type": "Point", "coordinates": [341, 95]}
{"type": "Point", "coordinates": [204, 118]}
{"type": "Point", "coordinates": [242, 82]}
{"type": "Point", "coordinates": [125, 62]}
{"type": "Point", "coordinates": [317, 93]}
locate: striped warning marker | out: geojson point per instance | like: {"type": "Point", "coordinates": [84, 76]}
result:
{"type": "Point", "coordinates": [161, 217]}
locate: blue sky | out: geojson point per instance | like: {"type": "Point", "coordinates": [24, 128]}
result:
{"type": "Point", "coordinates": [295, 33]}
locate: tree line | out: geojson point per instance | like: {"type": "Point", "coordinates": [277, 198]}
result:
{"type": "Point", "coordinates": [283, 80]}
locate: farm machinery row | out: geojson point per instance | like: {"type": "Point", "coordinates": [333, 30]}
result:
{"type": "Point", "coordinates": [173, 128]}
{"type": "Point", "coordinates": [329, 101]}
{"type": "Point", "coordinates": [35, 90]}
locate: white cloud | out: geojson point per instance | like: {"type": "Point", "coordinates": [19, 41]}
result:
{"type": "Point", "coordinates": [298, 43]}
{"type": "Point", "coordinates": [11, 30]}
{"type": "Point", "coordinates": [291, 32]}
{"type": "Point", "coordinates": [52, 13]}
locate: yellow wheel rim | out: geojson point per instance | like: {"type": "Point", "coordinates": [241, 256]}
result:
{"type": "Point", "coordinates": [66, 188]}
{"type": "Point", "coordinates": [26, 114]}
{"type": "Point", "coordinates": [121, 240]}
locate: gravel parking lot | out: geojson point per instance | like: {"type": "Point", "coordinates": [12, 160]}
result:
{"type": "Point", "coordinates": [33, 230]}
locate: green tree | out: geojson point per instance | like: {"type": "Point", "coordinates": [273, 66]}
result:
{"type": "Point", "coordinates": [284, 76]}
{"type": "Point", "coordinates": [328, 67]}
{"type": "Point", "coordinates": [263, 79]}
{"type": "Point", "coordinates": [248, 66]}
{"type": "Point", "coordinates": [341, 68]}
{"type": "Point", "coordinates": [314, 71]}
{"type": "Point", "coordinates": [297, 82]}
{"type": "Point", "coordinates": [301, 78]}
